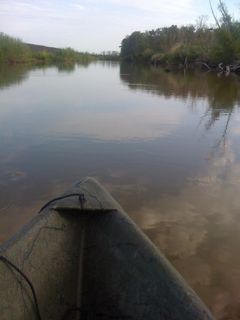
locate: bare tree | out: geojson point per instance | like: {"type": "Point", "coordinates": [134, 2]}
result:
{"type": "Point", "coordinates": [214, 16]}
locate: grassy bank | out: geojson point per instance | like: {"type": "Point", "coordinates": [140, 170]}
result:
{"type": "Point", "coordinates": [14, 51]}
{"type": "Point", "coordinates": [189, 46]}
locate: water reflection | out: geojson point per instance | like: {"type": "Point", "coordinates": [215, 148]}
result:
{"type": "Point", "coordinates": [149, 137]}
{"type": "Point", "coordinates": [71, 67]}
{"type": "Point", "coordinates": [222, 93]}
{"type": "Point", "coordinates": [219, 94]}
{"type": "Point", "coordinates": [15, 74]}
{"type": "Point", "coordinates": [68, 67]}
{"type": "Point", "coordinates": [198, 228]}
{"type": "Point", "coordinates": [10, 75]}
{"type": "Point", "coordinates": [109, 63]}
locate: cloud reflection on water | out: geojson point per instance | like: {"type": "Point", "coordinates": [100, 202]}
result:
{"type": "Point", "coordinates": [142, 122]}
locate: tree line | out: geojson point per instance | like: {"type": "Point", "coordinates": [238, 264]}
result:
{"type": "Point", "coordinates": [189, 46]}
{"type": "Point", "coordinates": [14, 51]}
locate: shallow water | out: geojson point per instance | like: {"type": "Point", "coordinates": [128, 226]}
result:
{"type": "Point", "coordinates": [166, 145]}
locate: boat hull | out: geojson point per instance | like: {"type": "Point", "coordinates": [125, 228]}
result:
{"type": "Point", "coordinates": [88, 260]}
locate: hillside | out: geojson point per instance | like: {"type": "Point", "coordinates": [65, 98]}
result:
{"type": "Point", "coordinates": [39, 48]}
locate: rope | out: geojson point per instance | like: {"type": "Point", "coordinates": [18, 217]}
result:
{"type": "Point", "coordinates": [13, 266]}
{"type": "Point", "coordinates": [80, 195]}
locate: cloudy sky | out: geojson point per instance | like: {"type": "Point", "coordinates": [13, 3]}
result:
{"type": "Point", "coordinates": [96, 25]}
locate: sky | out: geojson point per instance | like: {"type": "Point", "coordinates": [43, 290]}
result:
{"type": "Point", "coordinates": [97, 25]}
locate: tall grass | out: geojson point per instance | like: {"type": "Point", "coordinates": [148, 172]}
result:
{"type": "Point", "coordinates": [12, 50]}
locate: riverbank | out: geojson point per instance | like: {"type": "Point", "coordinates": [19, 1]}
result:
{"type": "Point", "coordinates": [198, 66]}
{"type": "Point", "coordinates": [14, 51]}
{"type": "Point", "coordinates": [192, 66]}
{"type": "Point", "coordinates": [176, 48]}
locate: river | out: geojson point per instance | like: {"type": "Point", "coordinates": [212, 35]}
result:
{"type": "Point", "coordinates": [166, 145]}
